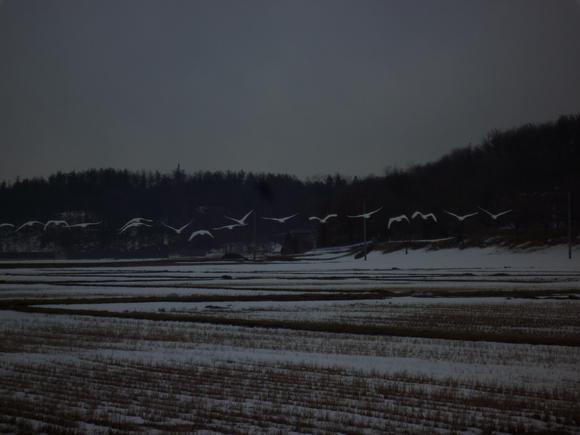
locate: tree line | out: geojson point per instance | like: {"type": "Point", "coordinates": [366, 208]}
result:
{"type": "Point", "coordinates": [528, 169]}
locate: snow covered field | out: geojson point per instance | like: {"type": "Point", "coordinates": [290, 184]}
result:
{"type": "Point", "coordinates": [87, 374]}
{"type": "Point", "coordinates": [464, 341]}
{"type": "Point", "coordinates": [488, 268]}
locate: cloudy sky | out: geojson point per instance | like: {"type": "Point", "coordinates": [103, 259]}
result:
{"type": "Point", "coordinates": [300, 86]}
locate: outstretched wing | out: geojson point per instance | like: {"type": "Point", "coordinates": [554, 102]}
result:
{"type": "Point", "coordinates": [490, 214]}
{"type": "Point", "coordinates": [232, 219]}
{"type": "Point", "coordinates": [184, 227]}
{"type": "Point", "coordinates": [90, 224]}
{"type": "Point", "coordinates": [194, 235]}
{"type": "Point", "coordinates": [29, 224]}
{"type": "Point", "coordinates": [452, 214]}
{"type": "Point", "coordinates": [170, 227]}
{"type": "Point", "coordinates": [131, 225]}
{"type": "Point", "coordinates": [200, 233]}
{"type": "Point", "coordinates": [502, 213]}
{"type": "Point", "coordinates": [246, 216]}
{"type": "Point", "coordinates": [228, 227]}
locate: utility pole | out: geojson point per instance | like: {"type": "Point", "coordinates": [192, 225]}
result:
{"type": "Point", "coordinates": [365, 229]}
{"type": "Point", "coordinates": [571, 156]}
{"type": "Point", "coordinates": [255, 232]}
{"type": "Point", "coordinates": [570, 222]}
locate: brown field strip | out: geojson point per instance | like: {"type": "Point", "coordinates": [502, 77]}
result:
{"type": "Point", "coordinates": [328, 327]}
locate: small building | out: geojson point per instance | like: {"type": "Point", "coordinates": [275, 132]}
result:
{"type": "Point", "coordinates": [298, 241]}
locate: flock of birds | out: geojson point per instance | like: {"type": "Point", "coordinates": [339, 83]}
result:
{"type": "Point", "coordinates": [48, 224]}
{"type": "Point", "coordinates": [140, 222]}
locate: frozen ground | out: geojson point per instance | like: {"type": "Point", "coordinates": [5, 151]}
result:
{"type": "Point", "coordinates": [550, 258]}
{"type": "Point", "coordinates": [488, 268]}
{"type": "Point", "coordinates": [429, 342]}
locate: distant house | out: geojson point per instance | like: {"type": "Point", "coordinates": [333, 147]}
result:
{"type": "Point", "coordinates": [298, 241]}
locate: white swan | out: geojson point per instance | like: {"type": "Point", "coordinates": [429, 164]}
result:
{"type": "Point", "coordinates": [85, 224]}
{"type": "Point", "coordinates": [136, 220]}
{"type": "Point", "coordinates": [424, 216]}
{"type": "Point", "coordinates": [229, 227]}
{"type": "Point", "coordinates": [241, 221]}
{"type": "Point", "coordinates": [200, 233]}
{"type": "Point", "coordinates": [133, 225]}
{"type": "Point", "coordinates": [324, 219]}
{"type": "Point", "coordinates": [496, 215]}
{"type": "Point", "coordinates": [461, 218]}
{"type": "Point", "coordinates": [398, 219]}
{"type": "Point", "coordinates": [55, 223]}
{"type": "Point", "coordinates": [177, 230]}
{"type": "Point", "coordinates": [366, 215]}
{"type": "Point", "coordinates": [281, 220]}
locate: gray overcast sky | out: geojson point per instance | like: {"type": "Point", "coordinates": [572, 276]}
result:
{"type": "Point", "coordinates": [300, 86]}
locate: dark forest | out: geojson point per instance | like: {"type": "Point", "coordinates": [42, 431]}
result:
{"type": "Point", "coordinates": [529, 170]}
